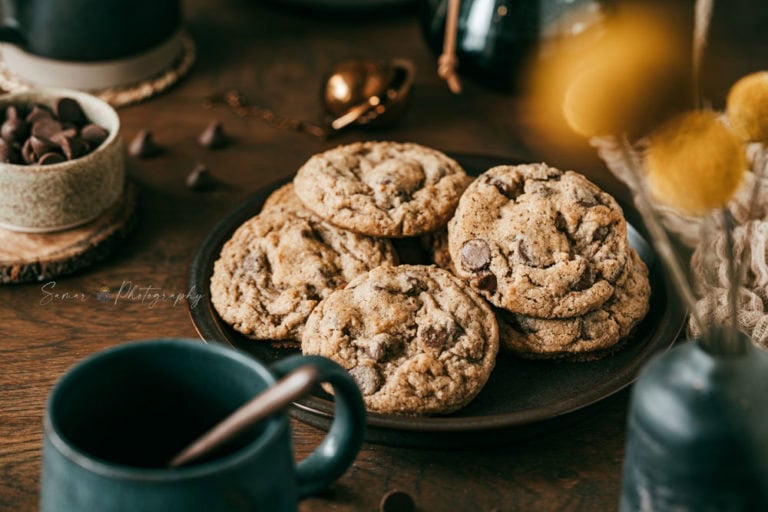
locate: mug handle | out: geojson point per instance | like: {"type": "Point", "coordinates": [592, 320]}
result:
{"type": "Point", "coordinates": [342, 443]}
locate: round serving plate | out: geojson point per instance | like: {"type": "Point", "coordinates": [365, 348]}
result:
{"type": "Point", "coordinates": [522, 398]}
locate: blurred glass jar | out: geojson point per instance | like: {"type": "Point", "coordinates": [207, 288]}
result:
{"type": "Point", "coordinates": [496, 38]}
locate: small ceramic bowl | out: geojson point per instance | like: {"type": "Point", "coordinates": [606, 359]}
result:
{"type": "Point", "coordinates": [45, 198]}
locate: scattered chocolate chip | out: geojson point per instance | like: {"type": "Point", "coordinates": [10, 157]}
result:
{"type": "Point", "coordinates": [475, 255]}
{"type": "Point", "coordinates": [213, 137]}
{"type": "Point", "coordinates": [14, 130]}
{"type": "Point", "coordinates": [37, 113]}
{"type": "Point", "coordinates": [69, 111]}
{"type": "Point", "coordinates": [72, 147]}
{"type": "Point", "coordinates": [143, 145]}
{"type": "Point", "coordinates": [600, 234]}
{"type": "Point", "coordinates": [434, 337]}
{"type": "Point", "coordinates": [46, 128]}
{"type": "Point", "coordinates": [397, 501]}
{"type": "Point", "coordinates": [201, 179]}
{"type": "Point", "coordinates": [379, 345]}
{"type": "Point", "coordinates": [41, 146]}
{"type": "Point", "coordinates": [485, 282]}
{"type": "Point", "coordinates": [51, 158]}
{"type": "Point", "coordinates": [367, 378]}
{"type": "Point", "coordinates": [586, 280]}
{"type": "Point", "coordinates": [508, 190]}
{"type": "Point", "coordinates": [560, 222]}
{"type": "Point", "coordinates": [94, 134]}
{"type": "Point", "coordinates": [521, 251]}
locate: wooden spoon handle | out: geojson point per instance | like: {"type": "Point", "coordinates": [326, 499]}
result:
{"type": "Point", "coordinates": [288, 389]}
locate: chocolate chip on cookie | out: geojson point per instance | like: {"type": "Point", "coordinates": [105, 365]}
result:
{"type": "Point", "coordinates": [475, 255]}
{"type": "Point", "coordinates": [414, 338]}
{"type": "Point", "coordinates": [368, 379]}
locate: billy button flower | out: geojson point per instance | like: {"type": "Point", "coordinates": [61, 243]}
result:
{"type": "Point", "coordinates": [694, 163]}
{"type": "Point", "coordinates": [631, 78]}
{"type": "Point", "coordinates": [747, 107]}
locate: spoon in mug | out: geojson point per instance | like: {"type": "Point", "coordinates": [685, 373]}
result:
{"type": "Point", "coordinates": [287, 390]}
{"type": "Point", "coordinates": [361, 92]}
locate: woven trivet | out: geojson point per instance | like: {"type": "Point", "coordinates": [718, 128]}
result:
{"type": "Point", "coordinates": [125, 94]}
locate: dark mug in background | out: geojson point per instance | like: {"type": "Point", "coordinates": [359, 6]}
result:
{"type": "Point", "coordinates": [115, 420]}
{"type": "Point", "coordinates": [89, 44]}
{"type": "Point", "coordinates": [89, 30]}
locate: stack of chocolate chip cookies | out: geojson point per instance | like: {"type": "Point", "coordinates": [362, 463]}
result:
{"type": "Point", "coordinates": [327, 264]}
{"type": "Point", "coordinates": [549, 250]}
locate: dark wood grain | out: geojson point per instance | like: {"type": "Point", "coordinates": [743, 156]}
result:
{"type": "Point", "coordinates": [277, 59]}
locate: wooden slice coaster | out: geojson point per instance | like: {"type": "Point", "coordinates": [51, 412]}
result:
{"type": "Point", "coordinates": [26, 257]}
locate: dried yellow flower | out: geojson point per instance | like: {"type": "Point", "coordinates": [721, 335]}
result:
{"type": "Point", "coordinates": [747, 107]}
{"type": "Point", "coordinates": [695, 163]}
{"type": "Point", "coordinates": [628, 81]}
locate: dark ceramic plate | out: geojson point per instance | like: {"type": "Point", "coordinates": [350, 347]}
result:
{"type": "Point", "coordinates": [519, 393]}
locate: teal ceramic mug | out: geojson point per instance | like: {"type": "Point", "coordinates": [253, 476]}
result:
{"type": "Point", "coordinates": [114, 421]}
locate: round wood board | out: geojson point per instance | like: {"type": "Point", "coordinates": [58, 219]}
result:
{"type": "Point", "coordinates": [26, 257]}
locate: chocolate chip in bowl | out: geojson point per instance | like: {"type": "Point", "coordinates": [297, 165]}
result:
{"type": "Point", "coordinates": [61, 159]}
{"type": "Point", "coordinates": [36, 130]}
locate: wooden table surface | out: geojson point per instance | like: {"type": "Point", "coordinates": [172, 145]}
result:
{"type": "Point", "coordinates": [277, 59]}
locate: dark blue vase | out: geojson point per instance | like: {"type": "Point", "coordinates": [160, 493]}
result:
{"type": "Point", "coordinates": [698, 433]}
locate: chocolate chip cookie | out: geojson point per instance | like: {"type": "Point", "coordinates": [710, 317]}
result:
{"type": "Point", "coordinates": [385, 189]}
{"type": "Point", "coordinates": [587, 337]}
{"type": "Point", "coordinates": [436, 245]}
{"type": "Point", "coordinates": [284, 196]}
{"type": "Point", "coordinates": [538, 241]}
{"type": "Point", "coordinates": [280, 264]}
{"type": "Point", "coordinates": [416, 340]}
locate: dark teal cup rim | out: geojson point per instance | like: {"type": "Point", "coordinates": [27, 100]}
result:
{"type": "Point", "coordinates": [273, 428]}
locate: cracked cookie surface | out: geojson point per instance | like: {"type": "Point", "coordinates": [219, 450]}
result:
{"type": "Point", "coordinates": [385, 189]}
{"type": "Point", "coordinates": [591, 336]}
{"type": "Point", "coordinates": [416, 340]}
{"type": "Point", "coordinates": [538, 241]}
{"type": "Point", "coordinates": [278, 265]}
